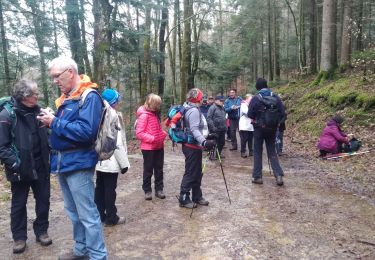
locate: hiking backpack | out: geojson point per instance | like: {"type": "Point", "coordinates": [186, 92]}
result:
{"type": "Point", "coordinates": [177, 132]}
{"type": "Point", "coordinates": [270, 114]}
{"type": "Point", "coordinates": [106, 140]}
{"type": "Point", "coordinates": [7, 104]}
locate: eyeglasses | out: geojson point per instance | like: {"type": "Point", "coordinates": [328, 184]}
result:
{"type": "Point", "coordinates": [57, 76]}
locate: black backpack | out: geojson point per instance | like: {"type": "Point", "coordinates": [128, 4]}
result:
{"type": "Point", "coordinates": [353, 146]}
{"type": "Point", "coordinates": [269, 118]}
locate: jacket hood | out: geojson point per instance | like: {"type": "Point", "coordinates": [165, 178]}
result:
{"type": "Point", "coordinates": [332, 122]}
{"type": "Point", "coordinates": [265, 92]}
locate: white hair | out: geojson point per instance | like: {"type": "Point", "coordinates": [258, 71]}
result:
{"type": "Point", "coordinates": [62, 63]}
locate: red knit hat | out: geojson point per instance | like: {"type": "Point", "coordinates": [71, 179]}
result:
{"type": "Point", "coordinates": [198, 97]}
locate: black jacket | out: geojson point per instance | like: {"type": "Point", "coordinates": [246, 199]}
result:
{"type": "Point", "coordinates": [216, 119]}
{"type": "Point", "coordinates": [31, 142]}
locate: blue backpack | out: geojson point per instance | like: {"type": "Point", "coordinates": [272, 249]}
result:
{"type": "Point", "coordinates": [177, 133]}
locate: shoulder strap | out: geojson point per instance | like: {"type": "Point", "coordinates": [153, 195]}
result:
{"type": "Point", "coordinates": [84, 95]}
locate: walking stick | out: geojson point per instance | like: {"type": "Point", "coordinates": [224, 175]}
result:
{"type": "Point", "coordinates": [222, 171]}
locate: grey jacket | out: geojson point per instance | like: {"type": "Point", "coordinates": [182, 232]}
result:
{"type": "Point", "coordinates": [195, 122]}
{"type": "Point", "coordinates": [216, 119]}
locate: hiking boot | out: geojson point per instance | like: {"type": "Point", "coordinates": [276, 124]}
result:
{"type": "Point", "coordinates": [72, 256]}
{"type": "Point", "coordinates": [250, 153]}
{"type": "Point", "coordinates": [148, 195]}
{"type": "Point", "coordinates": [185, 201]}
{"type": "Point", "coordinates": [233, 149]}
{"type": "Point", "coordinates": [19, 246]}
{"type": "Point", "coordinates": [160, 194]}
{"type": "Point", "coordinates": [243, 155]}
{"type": "Point", "coordinates": [202, 202]}
{"type": "Point", "coordinates": [121, 220]}
{"type": "Point", "coordinates": [279, 180]}
{"type": "Point", "coordinates": [44, 239]}
{"type": "Point", "coordinates": [257, 181]}
{"type": "Point", "coordinates": [228, 140]}
{"type": "Point", "coordinates": [222, 156]}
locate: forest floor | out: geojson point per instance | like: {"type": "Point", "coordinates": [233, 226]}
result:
{"type": "Point", "coordinates": [320, 213]}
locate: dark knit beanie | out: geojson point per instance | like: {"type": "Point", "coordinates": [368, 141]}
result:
{"type": "Point", "coordinates": [338, 119]}
{"type": "Point", "coordinates": [261, 83]}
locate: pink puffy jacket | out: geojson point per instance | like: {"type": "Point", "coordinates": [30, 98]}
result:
{"type": "Point", "coordinates": [149, 130]}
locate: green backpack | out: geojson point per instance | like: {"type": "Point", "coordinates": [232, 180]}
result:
{"type": "Point", "coordinates": [8, 103]}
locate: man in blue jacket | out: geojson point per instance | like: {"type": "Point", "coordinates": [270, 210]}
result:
{"type": "Point", "coordinates": [232, 106]}
{"type": "Point", "coordinates": [262, 133]}
{"type": "Point", "coordinates": [73, 158]}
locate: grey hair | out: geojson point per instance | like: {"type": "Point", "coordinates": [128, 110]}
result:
{"type": "Point", "coordinates": [23, 89]}
{"type": "Point", "coordinates": [63, 63]}
{"type": "Point", "coordinates": [192, 93]}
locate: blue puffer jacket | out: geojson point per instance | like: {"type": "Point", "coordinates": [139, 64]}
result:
{"type": "Point", "coordinates": [233, 113]}
{"type": "Point", "coordinates": [74, 131]}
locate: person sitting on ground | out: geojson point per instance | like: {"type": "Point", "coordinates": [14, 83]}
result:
{"type": "Point", "coordinates": [332, 138]}
{"type": "Point", "coordinates": [149, 131]}
{"type": "Point", "coordinates": [245, 127]}
{"type": "Point", "coordinates": [107, 170]}
{"type": "Point", "coordinates": [217, 123]}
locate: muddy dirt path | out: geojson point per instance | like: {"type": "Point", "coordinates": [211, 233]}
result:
{"type": "Point", "coordinates": [305, 219]}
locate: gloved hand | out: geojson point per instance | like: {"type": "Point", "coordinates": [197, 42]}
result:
{"type": "Point", "coordinates": [212, 136]}
{"type": "Point", "coordinates": [124, 170]}
{"type": "Point", "coordinates": [209, 144]}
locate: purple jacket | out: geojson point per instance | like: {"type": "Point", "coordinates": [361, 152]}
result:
{"type": "Point", "coordinates": [331, 136]}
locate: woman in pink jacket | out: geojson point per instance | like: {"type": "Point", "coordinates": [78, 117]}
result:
{"type": "Point", "coordinates": [152, 136]}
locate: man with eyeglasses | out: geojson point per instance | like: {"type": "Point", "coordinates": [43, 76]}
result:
{"type": "Point", "coordinates": [73, 158]}
{"type": "Point", "coordinates": [24, 151]}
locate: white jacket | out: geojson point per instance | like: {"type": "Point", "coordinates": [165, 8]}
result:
{"type": "Point", "coordinates": [245, 121]}
{"type": "Point", "coordinates": [119, 160]}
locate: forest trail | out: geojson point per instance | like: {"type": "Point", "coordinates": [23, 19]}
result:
{"type": "Point", "coordinates": [305, 219]}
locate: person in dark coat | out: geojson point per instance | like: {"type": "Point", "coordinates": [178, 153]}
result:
{"type": "Point", "coordinates": [217, 122]}
{"type": "Point", "coordinates": [266, 135]}
{"type": "Point", "coordinates": [232, 106]}
{"type": "Point", "coordinates": [24, 151]}
{"type": "Point", "coordinates": [332, 137]}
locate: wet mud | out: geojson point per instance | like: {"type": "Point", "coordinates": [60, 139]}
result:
{"type": "Point", "coordinates": [304, 219]}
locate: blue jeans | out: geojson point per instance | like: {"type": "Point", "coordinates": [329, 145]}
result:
{"type": "Point", "coordinates": [78, 192]}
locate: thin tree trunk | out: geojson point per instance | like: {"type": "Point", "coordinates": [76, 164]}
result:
{"type": "Point", "coordinates": [4, 43]}
{"type": "Point", "coordinates": [84, 41]}
{"type": "Point", "coordinates": [140, 69]}
{"type": "Point", "coordinates": [276, 39]}
{"type": "Point", "coordinates": [186, 51]}
{"type": "Point", "coordinates": [163, 25]}
{"type": "Point", "coordinates": [270, 67]}
{"type": "Point", "coordinates": [302, 35]}
{"type": "Point", "coordinates": [56, 46]}
{"type": "Point", "coordinates": [146, 86]}
{"type": "Point", "coordinates": [360, 25]}
{"type": "Point", "coordinates": [74, 33]}
{"type": "Point", "coordinates": [312, 36]}
{"type": "Point", "coordinates": [346, 35]}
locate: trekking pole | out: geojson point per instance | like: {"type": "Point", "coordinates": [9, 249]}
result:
{"type": "Point", "coordinates": [222, 171]}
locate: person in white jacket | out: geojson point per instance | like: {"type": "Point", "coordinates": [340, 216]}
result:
{"type": "Point", "coordinates": [107, 170]}
{"type": "Point", "coordinates": [245, 127]}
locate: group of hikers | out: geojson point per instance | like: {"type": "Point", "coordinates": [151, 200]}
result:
{"type": "Point", "coordinates": [35, 142]}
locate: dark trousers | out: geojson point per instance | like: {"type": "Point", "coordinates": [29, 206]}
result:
{"type": "Point", "coordinates": [153, 162]}
{"type": "Point", "coordinates": [233, 132]}
{"type": "Point", "coordinates": [18, 212]}
{"type": "Point", "coordinates": [105, 196]}
{"type": "Point", "coordinates": [246, 139]}
{"type": "Point", "coordinates": [220, 141]}
{"type": "Point", "coordinates": [192, 178]}
{"type": "Point", "coordinates": [269, 139]}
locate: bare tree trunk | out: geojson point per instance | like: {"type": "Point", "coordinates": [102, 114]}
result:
{"type": "Point", "coordinates": [270, 67]}
{"type": "Point", "coordinates": [360, 25]}
{"type": "Point", "coordinates": [328, 33]}
{"type": "Point", "coordinates": [276, 39]}
{"type": "Point", "coordinates": [4, 43]}
{"type": "Point", "coordinates": [140, 69]}
{"type": "Point", "coordinates": [56, 46]}
{"type": "Point", "coordinates": [186, 50]}
{"type": "Point", "coordinates": [74, 33]}
{"type": "Point", "coordinates": [312, 36]}
{"type": "Point", "coordinates": [146, 86]}
{"type": "Point", "coordinates": [302, 35]}
{"type": "Point", "coordinates": [346, 35]}
{"type": "Point", "coordinates": [102, 11]}
{"type": "Point", "coordinates": [84, 41]}
{"type": "Point", "coordinates": [163, 25]}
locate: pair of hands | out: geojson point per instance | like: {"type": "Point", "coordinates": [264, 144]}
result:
{"type": "Point", "coordinates": [234, 107]}
{"type": "Point", "coordinates": [46, 116]}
